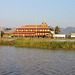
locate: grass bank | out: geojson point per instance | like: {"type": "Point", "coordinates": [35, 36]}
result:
{"type": "Point", "coordinates": [4, 42]}
{"type": "Point", "coordinates": [46, 44]}
{"type": "Point", "coordinates": [37, 43]}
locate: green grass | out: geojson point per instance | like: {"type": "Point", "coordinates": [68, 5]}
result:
{"type": "Point", "coordinates": [43, 44]}
{"type": "Point", "coordinates": [5, 42]}
{"type": "Point", "coordinates": [39, 43]}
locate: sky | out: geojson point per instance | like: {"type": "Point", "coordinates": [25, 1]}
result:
{"type": "Point", "coordinates": [15, 13]}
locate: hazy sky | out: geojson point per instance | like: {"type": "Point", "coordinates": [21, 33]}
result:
{"type": "Point", "coordinates": [15, 13]}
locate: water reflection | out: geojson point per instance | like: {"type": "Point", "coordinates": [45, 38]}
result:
{"type": "Point", "coordinates": [65, 40]}
{"type": "Point", "coordinates": [25, 61]}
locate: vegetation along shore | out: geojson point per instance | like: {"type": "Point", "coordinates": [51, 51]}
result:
{"type": "Point", "coordinates": [38, 43]}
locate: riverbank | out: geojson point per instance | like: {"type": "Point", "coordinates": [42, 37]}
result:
{"type": "Point", "coordinates": [39, 43]}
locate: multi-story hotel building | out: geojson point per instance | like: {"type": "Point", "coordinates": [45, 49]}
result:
{"type": "Point", "coordinates": [32, 30]}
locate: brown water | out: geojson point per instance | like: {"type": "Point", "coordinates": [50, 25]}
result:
{"type": "Point", "coordinates": [26, 61]}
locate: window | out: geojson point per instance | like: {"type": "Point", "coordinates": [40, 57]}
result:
{"type": "Point", "coordinates": [17, 29]}
{"type": "Point", "coordinates": [26, 30]}
{"type": "Point", "coordinates": [38, 33]}
{"type": "Point", "coordinates": [40, 30]}
{"type": "Point", "coordinates": [21, 30]}
{"type": "Point", "coordinates": [35, 30]}
{"type": "Point", "coordinates": [31, 30]}
{"type": "Point", "coordinates": [48, 29]}
{"type": "Point", "coordinates": [23, 34]}
{"type": "Point", "coordinates": [43, 29]}
{"type": "Point", "coordinates": [35, 33]}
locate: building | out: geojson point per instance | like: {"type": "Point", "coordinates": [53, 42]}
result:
{"type": "Point", "coordinates": [6, 34]}
{"type": "Point", "coordinates": [72, 35]}
{"type": "Point", "coordinates": [32, 30]}
{"type": "Point", "coordinates": [59, 35]}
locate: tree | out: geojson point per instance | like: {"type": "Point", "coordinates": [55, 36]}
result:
{"type": "Point", "coordinates": [57, 30]}
{"type": "Point", "coordinates": [7, 29]}
{"type": "Point", "coordinates": [2, 33]}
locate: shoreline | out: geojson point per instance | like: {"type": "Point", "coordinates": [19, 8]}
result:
{"type": "Point", "coordinates": [40, 44]}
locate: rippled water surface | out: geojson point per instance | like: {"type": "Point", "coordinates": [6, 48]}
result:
{"type": "Point", "coordinates": [26, 61]}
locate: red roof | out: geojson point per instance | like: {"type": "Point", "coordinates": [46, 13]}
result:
{"type": "Point", "coordinates": [73, 33]}
{"type": "Point", "coordinates": [34, 26]}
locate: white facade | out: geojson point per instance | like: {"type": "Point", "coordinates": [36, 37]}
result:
{"type": "Point", "coordinates": [72, 35]}
{"type": "Point", "coordinates": [59, 35]}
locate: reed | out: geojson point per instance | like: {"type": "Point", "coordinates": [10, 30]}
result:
{"type": "Point", "coordinates": [39, 43]}
{"type": "Point", "coordinates": [45, 44]}
{"type": "Point", "coordinates": [5, 42]}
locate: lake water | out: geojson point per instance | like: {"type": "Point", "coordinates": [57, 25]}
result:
{"type": "Point", "coordinates": [26, 61]}
{"type": "Point", "coordinates": [71, 40]}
